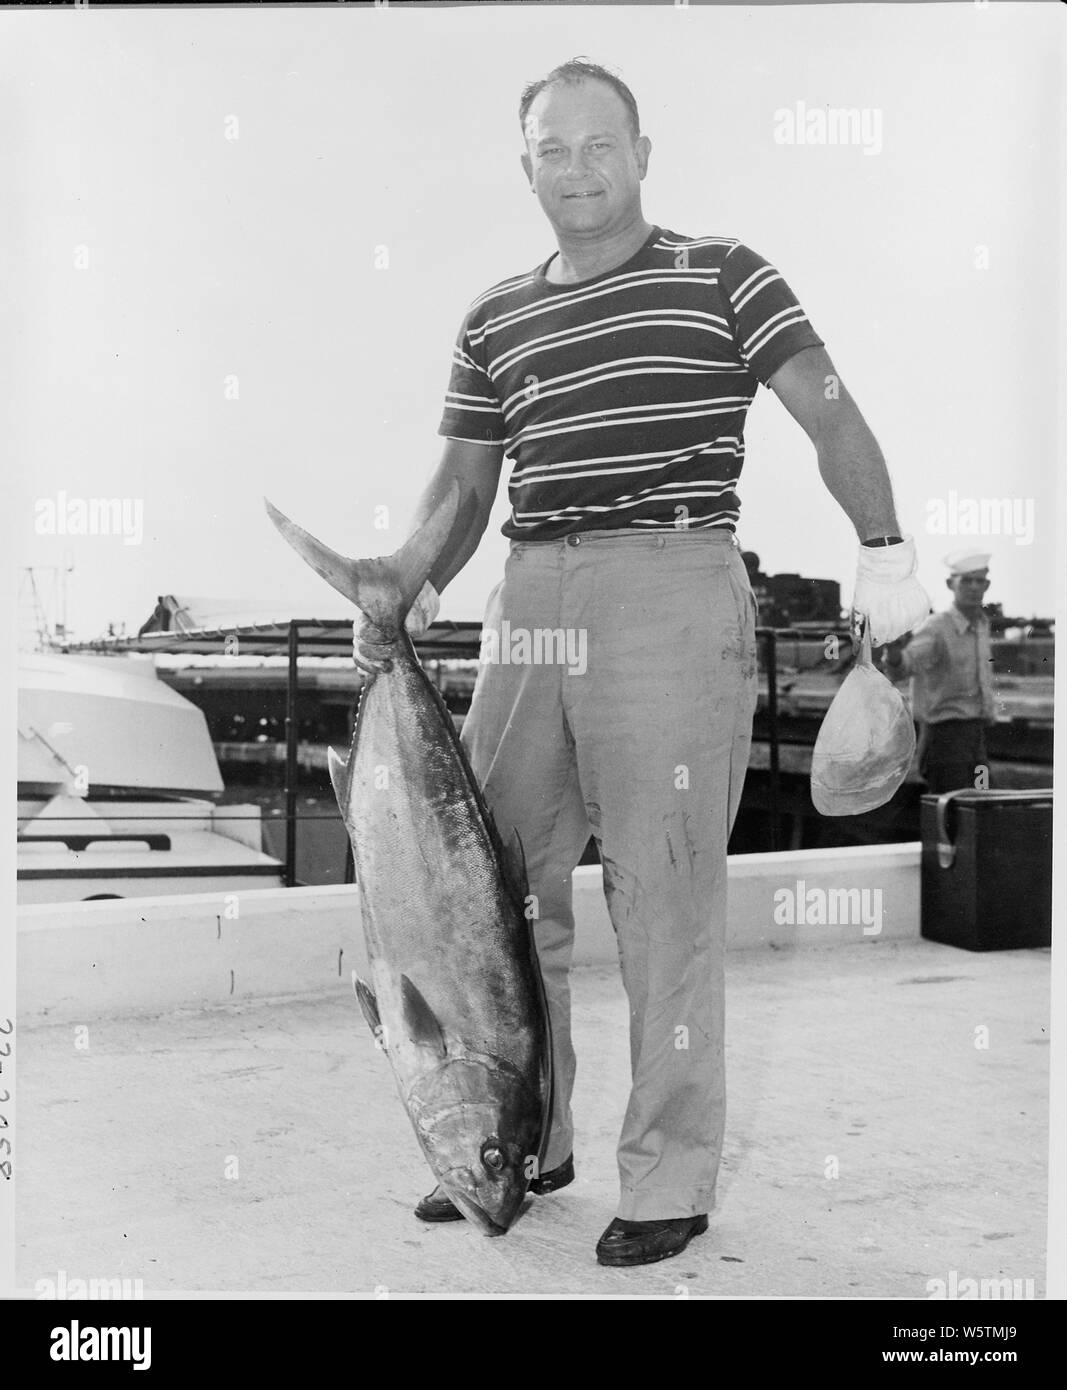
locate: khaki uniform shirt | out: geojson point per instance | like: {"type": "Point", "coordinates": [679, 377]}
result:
{"type": "Point", "coordinates": [950, 661]}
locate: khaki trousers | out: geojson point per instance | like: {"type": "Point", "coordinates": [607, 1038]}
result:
{"type": "Point", "coordinates": [641, 735]}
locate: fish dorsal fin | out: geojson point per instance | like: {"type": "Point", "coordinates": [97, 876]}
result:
{"type": "Point", "coordinates": [368, 1003]}
{"type": "Point", "coordinates": [419, 1019]}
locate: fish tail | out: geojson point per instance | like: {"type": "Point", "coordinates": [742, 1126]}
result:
{"type": "Point", "coordinates": [382, 589]}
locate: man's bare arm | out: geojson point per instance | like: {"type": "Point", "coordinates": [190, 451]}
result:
{"type": "Point", "coordinates": [850, 462]}
{"type": "Point", "coordinates": [476, 468]}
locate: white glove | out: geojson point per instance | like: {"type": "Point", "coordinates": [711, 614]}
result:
{"type": "Point", "coordinates": [887, 594]}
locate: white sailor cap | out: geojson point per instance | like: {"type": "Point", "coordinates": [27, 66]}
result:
{"type": "Point", "coordinates": [968, 561]}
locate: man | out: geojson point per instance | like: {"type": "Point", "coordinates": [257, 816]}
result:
{"type": "Point", "coordinates": [950, 662]}
{"type": "Point", "coordinates": [617, 376]}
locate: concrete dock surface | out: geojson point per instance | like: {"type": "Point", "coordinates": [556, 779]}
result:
{"type": "Point", "coordinates": [887, 1127]}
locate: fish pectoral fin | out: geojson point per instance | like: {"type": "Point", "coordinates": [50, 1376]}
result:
{"type": "Point", "coordinates": [419, 1019]}
{"type": "Point", "coordinates": [338, 776]}
{"type": "Point", "coordinates": [368, 1003]}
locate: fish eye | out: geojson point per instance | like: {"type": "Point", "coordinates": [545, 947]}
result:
{"type": "Point", "coordinates": [493, 1158]}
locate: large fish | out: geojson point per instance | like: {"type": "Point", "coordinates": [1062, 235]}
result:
{"type": "Point", "coordinates": [456, 996]}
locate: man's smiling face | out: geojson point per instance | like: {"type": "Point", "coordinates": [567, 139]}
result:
{"type": "Point", "coordinates": [583, 160]}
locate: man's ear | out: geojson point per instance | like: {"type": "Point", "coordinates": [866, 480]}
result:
{"type": "Point", "coordinates": [527, 167]}
{"type": "Point", "coordinates": [642, 150]}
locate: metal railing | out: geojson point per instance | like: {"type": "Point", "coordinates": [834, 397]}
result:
{"type": "Point", "coordinates": [767, 636]}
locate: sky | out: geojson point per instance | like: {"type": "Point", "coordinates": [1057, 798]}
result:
{"type": "Point", "coordinates": [246, 240]}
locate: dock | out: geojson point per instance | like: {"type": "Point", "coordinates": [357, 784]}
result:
{"type": "Point", "coordinates": [202, 1108]}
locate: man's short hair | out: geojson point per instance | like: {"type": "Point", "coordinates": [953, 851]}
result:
{"type": "Point", "coordinates": [576, 70]}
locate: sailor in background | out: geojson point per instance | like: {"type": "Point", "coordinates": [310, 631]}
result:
{"type": "Point", "coordinates": [950, 661]}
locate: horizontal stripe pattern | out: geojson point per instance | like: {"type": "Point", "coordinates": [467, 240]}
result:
{"type": "Point", "coordinates": [621, 401]}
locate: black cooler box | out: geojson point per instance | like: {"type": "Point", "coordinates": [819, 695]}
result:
{"type": "Point", "coordinates": [987, 869]}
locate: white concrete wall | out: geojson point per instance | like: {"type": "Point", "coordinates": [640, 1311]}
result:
{"type": "Point", "coordinates": [137, 955]}
{"type": "Point", "coordinates": [889, 870]}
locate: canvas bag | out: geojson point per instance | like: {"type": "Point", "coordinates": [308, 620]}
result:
{"type": "Point", "coordinates": [865, 743]}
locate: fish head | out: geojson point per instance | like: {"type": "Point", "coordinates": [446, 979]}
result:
{"type": "Point", "coordinates": [479, 1124]}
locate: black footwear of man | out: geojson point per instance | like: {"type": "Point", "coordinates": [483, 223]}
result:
{"type": "Point", "coordinates": [438, 1207]}
{"type": "Point", "coordinates": [644, 1242]}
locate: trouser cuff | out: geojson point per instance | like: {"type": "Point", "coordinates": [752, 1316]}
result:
{"type": "Point", "coordinates": [665, 1203]}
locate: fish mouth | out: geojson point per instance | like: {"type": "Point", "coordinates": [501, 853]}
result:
{"type": "Point", "coordinates": [478, 1216]}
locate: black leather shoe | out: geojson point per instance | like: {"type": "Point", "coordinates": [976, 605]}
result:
{"type": "Point", "coordinates": [554, 1179]}
{"type": "Point", "coordinates": [644, 1242]}
{"type": "Point", "coordinates": [438, 1207]}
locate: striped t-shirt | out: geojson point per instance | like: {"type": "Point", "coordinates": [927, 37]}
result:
{"type": "Point", "coordinates": [621, 400]}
